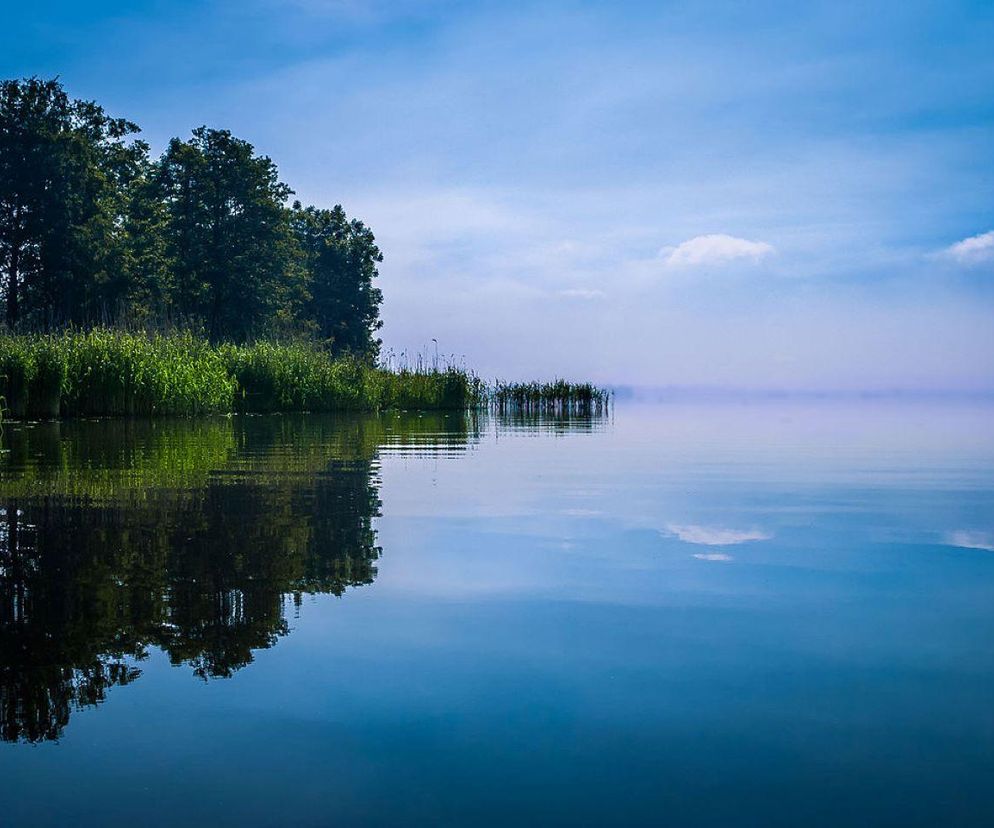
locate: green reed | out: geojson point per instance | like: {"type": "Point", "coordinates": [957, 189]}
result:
{"type": "Point", "coordinates": [299, 377]}
{"type": "Point", "coordinates": [111, 373]}
{"type": "Point", "coordinates": [106, 372]}
{"type": "Point", "coordinates": [294, 377]}
{"type": "Point", "coordinates": [442, 389]}
{"type": "Point", "coordinates": [557, 397]}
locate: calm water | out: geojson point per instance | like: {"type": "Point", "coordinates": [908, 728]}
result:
{"type": "Point", "coordinates": [775, 614]}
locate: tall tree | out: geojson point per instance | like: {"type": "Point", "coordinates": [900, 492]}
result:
{"type": "Point", "coordinates": [147, 266]}
{"type": "Point", "coordinates": [235, 261]}
{"type": "Point", "coordinates": [64, 165]}
{"type": "Point", "coordinates": [92, 231]}
{"type": "Point", "coordinates": [340, 257]}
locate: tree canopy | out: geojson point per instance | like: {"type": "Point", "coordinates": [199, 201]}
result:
{"type": "Point", "coordinates": [93, 230]}
{"type": "Point", "coordinates": [340, 257]}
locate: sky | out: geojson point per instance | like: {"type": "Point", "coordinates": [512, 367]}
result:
{"type": "Point", "coordinates": [706, 195]}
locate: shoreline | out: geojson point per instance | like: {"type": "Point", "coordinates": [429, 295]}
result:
{"type": "Point", "coordinates": [105, 372]}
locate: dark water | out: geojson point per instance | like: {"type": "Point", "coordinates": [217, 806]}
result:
{"type": "Point", "coordinates": [687, 615]}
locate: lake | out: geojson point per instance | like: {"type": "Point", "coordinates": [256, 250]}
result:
{"type": "Point", "coordinates": [722, 613]}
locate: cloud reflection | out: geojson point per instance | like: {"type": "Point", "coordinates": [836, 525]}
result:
{"type": "Point", "coordinates": [714, 536]}
{"type": "Point", "coordinates": [968, 539]}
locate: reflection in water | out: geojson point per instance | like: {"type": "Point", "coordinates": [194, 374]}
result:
{"type": "Point", "coordinates": [562, 422]}
{"type": "Point", "coordinates": [144, 540]}
{"type": "Point", "coordinates": [966, 539]}
{"type": "Point", "coordinates": [193, 537]}
{"type": "Point", "coordinates": [715, 535]}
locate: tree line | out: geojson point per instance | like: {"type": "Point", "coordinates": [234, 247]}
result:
{"type": "Point", "coordinates": [95, 231]}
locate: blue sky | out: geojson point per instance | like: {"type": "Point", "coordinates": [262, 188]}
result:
{"type": "Point", "coordinates": [748, 195]}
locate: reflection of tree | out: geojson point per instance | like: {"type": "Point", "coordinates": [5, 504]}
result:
{"type": "Point", "coordinates": [64, 623]}
{"type": "Point", "coordinates": [189, 536]}
{"type": "Point", "coordinates": [235, 555]}
{"type": "Point", "coordinates": [99, 569]}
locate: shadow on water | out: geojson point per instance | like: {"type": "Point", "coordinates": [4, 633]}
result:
{"type": "Point", "coordinates": [195, 537]}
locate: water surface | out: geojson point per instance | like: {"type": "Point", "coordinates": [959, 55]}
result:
{"type": "Point", "coordinates": [775, 614]}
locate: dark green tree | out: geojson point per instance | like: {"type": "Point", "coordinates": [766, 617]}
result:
{"type": "Point", "coordinates": [64, 169]}
{"type": "Point", "coordinates": [147, 268]}
{"type": "Point", "coordinates": [340, 256]}
{"type": "Point", "coordinates": [93, 232]}
{"type": "Point", "coordinates": [235, 262]}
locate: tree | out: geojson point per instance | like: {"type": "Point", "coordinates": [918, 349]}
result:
{"type": "Point", "coordinates": [64, 165]}
{"type": "Point", "coordinates": [340, 256]}
{"type": "Point", "coordinates": [147, 266]}
{"type": "Point", "coordinates": [234, 259]}
{"type": "Point", "coordinates": [94, 232]}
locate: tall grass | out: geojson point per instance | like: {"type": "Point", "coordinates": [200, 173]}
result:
{"type": "Point", "coordinates": [437, 389]}
{"type": "Point", "coordinates": [558, 397]}
{"type": "Point", "coordinates": [33, 371]}
{"type": "Point", "coordinates": [272, 377]}
{"type": "Point", "coordinates": [113, 373]}
{"type": "Point", "coordinates": [106, 372]}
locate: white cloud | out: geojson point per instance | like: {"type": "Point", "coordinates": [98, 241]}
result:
{"type": "Point", "coordinates": [712, 556]}
{"type": "Point", "coordinates": [714, 536]}
{"type": "Point", "coordinates": [973, 250]}
{"type": "Point", "coordinates": [715, 248]}
{"type": "Point", "coordinates": [582, 293]}
{"type": "Point", "coordinates": [967, 539]}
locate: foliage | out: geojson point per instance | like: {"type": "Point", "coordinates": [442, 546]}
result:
{"type": "Point", "coordinates": [557, 397]}
{"type": "Point", "coordinates": [298, 377]}
{"type": "Point", "coordinates": [95, 232]}
{"type": "Point", "coordinates": [17, 369]}
{"type": "Point", "coordinates": [445, 389]}
{"type": "Point", "coordinates": [341, 257]}
{"type": "Point", "coordinates": [104, 372]}
{"type": "Point", "coordinates": [113, 373]}
{"type": "Point", "coordinates": [65, 170]}
{"type": "Point", "coordinates": [232, 252]}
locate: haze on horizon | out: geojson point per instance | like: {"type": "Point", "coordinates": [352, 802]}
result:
{"type": "Point", "coordinates": [693, 194]}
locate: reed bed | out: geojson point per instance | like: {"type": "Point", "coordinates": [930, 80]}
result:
{"type": "Point", "coordinates": [106, 372]}
{"type": "Point", "coordinates": [444, 389]}
{"type": "Point", "coordinates": [272, 377]}
{"type": "Point", "coordinates": [102, 373]}
{"type": "Point", "coordinates": [111, 373]}
{"type": "Point", "coordinates": [550, 398]}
